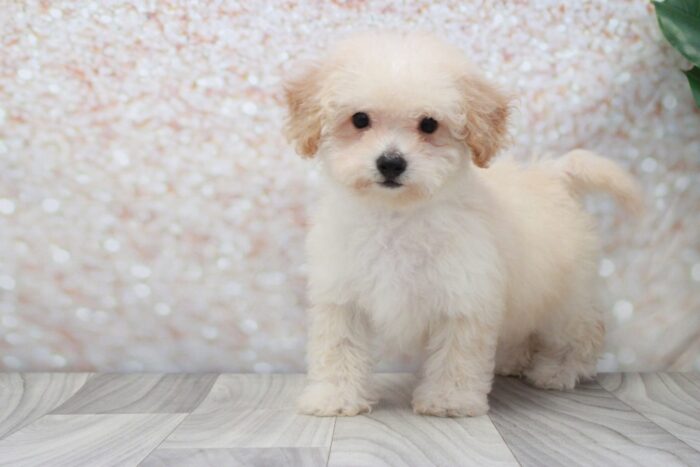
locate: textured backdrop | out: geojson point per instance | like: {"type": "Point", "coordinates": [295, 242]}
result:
{"type": "Point", "coordinates": [152, 216]}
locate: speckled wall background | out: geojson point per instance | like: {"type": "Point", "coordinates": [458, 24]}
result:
{"type": "Point", "coordinates": [152, 216]}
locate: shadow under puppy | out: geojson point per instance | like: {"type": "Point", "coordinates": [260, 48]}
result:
{"type": "Point", "coordinates": [414, 239]}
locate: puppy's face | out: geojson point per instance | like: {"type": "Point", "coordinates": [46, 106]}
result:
{"type": "Point", "coordinates": [394, 117]}
{"type": "Point", "coordinates": [396, 151]}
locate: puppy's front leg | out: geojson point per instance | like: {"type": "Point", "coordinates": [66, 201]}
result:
{"type": "Point", "coordinates": [458, 370]}
{"type": "Point", "coordinates": [340, 363]}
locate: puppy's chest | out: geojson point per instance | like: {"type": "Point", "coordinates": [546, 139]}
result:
{"type": "Point", "coordinates": [395, 264]}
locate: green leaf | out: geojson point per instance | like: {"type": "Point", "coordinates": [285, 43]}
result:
{"type": "Point", "coordinates": [693, 76]}
{"type": "Point", "coordinates": [679, 21]}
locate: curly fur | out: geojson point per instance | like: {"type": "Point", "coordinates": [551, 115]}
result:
{"type": "Point", "coordinates": [484, 270]}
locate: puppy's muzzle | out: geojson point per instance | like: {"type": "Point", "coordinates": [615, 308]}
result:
{"type": "Point", "coordinates": [391, 165]}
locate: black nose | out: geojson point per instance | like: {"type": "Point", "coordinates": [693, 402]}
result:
{"type": "Point", "coordinates": [391, 165]}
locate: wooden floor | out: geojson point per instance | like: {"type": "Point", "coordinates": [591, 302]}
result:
{"type": "Point", "coordinates": [227, 420]}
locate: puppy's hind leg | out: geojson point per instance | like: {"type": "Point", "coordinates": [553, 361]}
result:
{"type": "Point", "coordinates": [566, 352]}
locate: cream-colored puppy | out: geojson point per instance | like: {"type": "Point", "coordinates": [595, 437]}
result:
{"type": "Point", "coordinates": [415, 240]}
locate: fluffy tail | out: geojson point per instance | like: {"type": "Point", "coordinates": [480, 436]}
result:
{"type": "Point", "coordinates": [587, 172]}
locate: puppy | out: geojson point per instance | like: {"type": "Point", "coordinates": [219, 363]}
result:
{"type": "Point", "coordinates": [415, 240]}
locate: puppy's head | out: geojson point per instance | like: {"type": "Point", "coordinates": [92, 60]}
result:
{"type": "Point", "coordinates": [395, 116]}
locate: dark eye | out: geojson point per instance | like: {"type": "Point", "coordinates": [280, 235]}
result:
{"type": "Point", "coordinates": [428, 125]}
{"type": "Point", "coordinates": [360, 120]}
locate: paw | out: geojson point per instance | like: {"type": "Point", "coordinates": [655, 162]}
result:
{"type": "Point", "coordinates": [329, 400]}
{"type": "Point", "coordinates": [551, 377]}
{"type": "Point", "coordinates": [440, 402]}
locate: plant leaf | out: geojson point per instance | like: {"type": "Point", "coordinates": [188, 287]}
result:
{"type": "Point", "coordinates": [679, 21]}
{"type": "Point", "coordinates": [693, 76]}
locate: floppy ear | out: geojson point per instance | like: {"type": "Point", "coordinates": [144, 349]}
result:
{"type": "Point", "coordinates": [486, 112]}
{"type": "Point", "coordinates": [303, 125]}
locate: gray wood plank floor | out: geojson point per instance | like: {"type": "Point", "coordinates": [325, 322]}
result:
{"type": "Point", "coordinates": [588, 426]}
{"type": "Point", "coordinates": [78, 419]}
{"type": "Point", "coordinates": [672, 401]}
{"type": "Point", "coordinates": [393, 435]}
{"type": "Point", "coordinates": [139, 393]}
{"type": "Point", "coordinates": [26, 397]}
